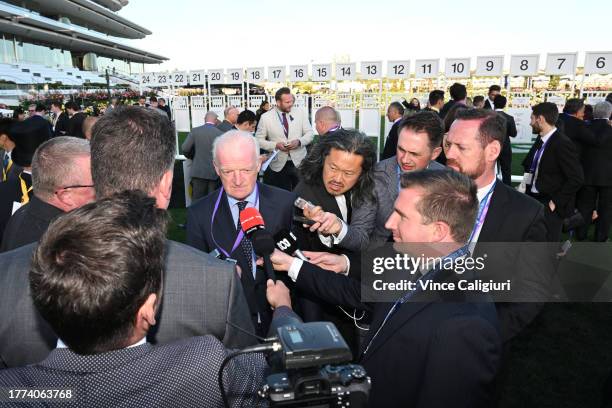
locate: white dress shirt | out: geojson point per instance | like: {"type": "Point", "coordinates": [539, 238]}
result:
{"type": "Point", "coordinates": [251, 202]}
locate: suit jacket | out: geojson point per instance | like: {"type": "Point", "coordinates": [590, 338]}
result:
{"type": "Point", "coordinates": [428, 109]}
{"type": "Point", "coordinates": [367, 229]}
{"type": "Point", "coordinates": [28, 224]}
{"type": "Point", "coordinates": [44, 121]}
{"type": "Point", "coordinates": [447, 107]}
{"type": "Point", "coordinates": [276, 208]}
{"type": "Point", "coordinates": [597, 160]}
{"type": "Point", "coordinates": [270, 131]}
{"type": "Point", "coordinates": [75, 125]}
{"type": "Point", "coordinates": [199, 294]}
{"type": "Point", "coordinates": [225, 126]}
{"type": "Point", "coordinates": [60, 125]}
{"type": "Point", "coordinates": [487, 105]}
{"type": "Point", "coordinates": [183, 373]}
{"type": "Point", "coordinates": [202, 137]}
{"type": "Point", "coordinates": [506, 152]}
{"type": "Point", "coordinates": [515, 218]}
{"type": "Point", "coordinates": [390, 148]}
{"type": "Point", "coordinates": [560, 174]}
{"type": "Point", "coordinates": [428, 354]}
{"type": "Point", "coordinates": [10, 192]}
{"type": "Point", "coordinates": [578, 131]}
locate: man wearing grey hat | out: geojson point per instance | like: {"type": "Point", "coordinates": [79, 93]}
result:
{"type": "Point", "coordinates": [16, 191]}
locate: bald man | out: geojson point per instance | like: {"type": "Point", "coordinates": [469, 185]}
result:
{"type": "Point", "coordinates": [327, 120]}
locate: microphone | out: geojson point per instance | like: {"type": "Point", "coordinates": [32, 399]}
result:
{"type": "Point", "coordinates": [252, 224]}
{"type": "Point", "coordinates": [302, 203]}
{"type": "Point", "coordinates": [287, 242]}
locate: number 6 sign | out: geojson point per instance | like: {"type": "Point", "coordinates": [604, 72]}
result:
{"type": "Point", "coordinates": [598, 63]}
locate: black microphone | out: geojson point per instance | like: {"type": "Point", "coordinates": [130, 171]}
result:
{"type": "Point", "coordinates": [287, 242]}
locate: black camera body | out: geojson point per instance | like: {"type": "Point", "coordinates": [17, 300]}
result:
{"type": "Point", "coordinates": [330, 386]}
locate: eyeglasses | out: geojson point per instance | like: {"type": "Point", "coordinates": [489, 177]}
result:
{"type": "Point", "coordinates": [75, 186]}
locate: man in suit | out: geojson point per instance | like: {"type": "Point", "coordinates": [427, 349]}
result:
{"type": "Point", "coordinates": [287, 130]}
{"type": "Point", "coordinates": [204, 179]}
{"type": "Point", "coordinates": [75, 124]}
{"type": "Point", "coordinates": [505, 157]}
{"type": "Point", "coordinates": [6, 147]}
{"type": "Point", "coordinates": [435, 101]}
{"type": "Point", "coordinates": [201, 294]}
{"type": "Point", "coordinates": [472, 147]}
{"type": "Point", "coordinates": [422, 350]}
{"type": "Point", "coordinates": [155, 108]}
{"type": "Point", "coordinates": [102, 312]}
{"type": "Point", "coordinates": [61, 182]}
{"type": "Point", "coordinates": [17, 189]}
{"type": "Point", "coordinates": [553, 174]}
{"type": "Point", "coordinates": [575, 127]}
{"type": "Point", "coordinates": [60, 119]}
{"type": "Point", "coordinates": [327, 120]}
{"type": "Point", "coordinates": [213, 223]}
{"type": "Point", "coordinates": [230, 118]}
{"type": "Point", "coordinates": [494, 90]}
{"type": "Point", "coordinates": [395, 113]}
{"type": "Point", "coordinates": [458, 93]}
{"type": "Point", "coordinates": [246, 121]}
{"type": "Point", "coordinates": [40, 116]}
{"type": "Point", "coordinates": [419, 143]}
{"type": "Point", "coordinates": [161, 104]}
{"type": "Point", "coordinates": [337, 176]}
{"type": "Point", "coordinates": [596, 194]}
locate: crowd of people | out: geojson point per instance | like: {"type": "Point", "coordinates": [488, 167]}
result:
{"type": "Point", "coordinates": [94, 298]}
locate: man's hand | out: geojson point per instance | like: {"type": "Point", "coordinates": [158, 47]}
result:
{"type": "Point", "coordinates": [277, 294]}
{"type": "Point", "coordinates": [325, 222]}
{"type": "Point", "coordinates": [551, 205]}
{"type": "Point", "coordinates": [281, 146]}
{"type": "Point", "coordinates": [294, 144]}
{"type": "Point", "coordinates": [281, 261]}
{"type": "Point", "coordinates": [325, 260]}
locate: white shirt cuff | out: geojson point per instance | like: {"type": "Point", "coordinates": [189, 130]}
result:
{"type": "Point", "coordinates": [342, 234]}
{"type": "Point", "coordinates": [294, 269]}
{"type": "Point", "coordinates": [325, 240]}
{"type": "Point", "coordinates": [348, 265]}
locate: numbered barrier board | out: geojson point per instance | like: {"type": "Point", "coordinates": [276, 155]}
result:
{"type": "Point", "coordinates": [277, 74]}
{"type": "Point", "coordinates": [180, 113]}
{"type": "Point", "coordinates": [490, 66]}
{"type": "Point", "coordinates": [369, 114]}
{"type": "Point", "coordinates": [598, 63]}
{"type": "Point", "coordinates": [398, 69]}
{"type": "Point", "coordinates": [346, 107]}
{"type": "Point", "coordinates": [524, 65]}
{"type": "Point", "coordinates": [198, 110]}
{"type": "Point", "coordinates": [217, 105]}
{"type": "Point", "coordinates": [298, 73]}
{"type": "Point", "coordinates": [457, 68]}
{"type": "Point", "coordinates": [235, 76]}
{"type": "Point", "coordinates": [426, 68]}
{"type": "Point", "coordinates": [561, 63]}
{"type": "Point", "coordinates": [255, 75]}
{"type": "Point", "coordinates": [216, 76]}
{"type": "Point", "coordinates": [371, 70]}
{"type": "Point", "coordinates": [197, 77]}
{"type": "Point", "coordinates": [321, 72]}
{"type": "Point", "coordinates": [346, 72]}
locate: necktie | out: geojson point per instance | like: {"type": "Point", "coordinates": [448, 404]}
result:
{"type": "Point", "coordinates": [285, 124]}
{"type": "Point", "coordinates": [536, 157]}
{"type": "Point", "coordinates": [245, 245]}
{"type": "Point", "coordinates": [5, 161]}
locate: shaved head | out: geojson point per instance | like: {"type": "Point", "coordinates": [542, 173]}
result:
{"type": "Point", "coordinates": [326, 118]}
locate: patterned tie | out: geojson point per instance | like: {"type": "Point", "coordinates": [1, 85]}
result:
{"type": "Point", "coordinates": [245, 244]}
{"type": "Point", "coordinates": [285, 124]}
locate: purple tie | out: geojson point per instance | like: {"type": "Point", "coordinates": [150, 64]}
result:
{"type": "Point", "coordinates": [285, 124]}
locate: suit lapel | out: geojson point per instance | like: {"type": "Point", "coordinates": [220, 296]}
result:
{"type": "Point", "coordinates": [496, 214]}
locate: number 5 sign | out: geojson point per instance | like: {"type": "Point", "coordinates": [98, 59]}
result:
{"type": "Point", "coordinates": [561, 63]}
{"type": "Point", "coordinates": [598, 63]}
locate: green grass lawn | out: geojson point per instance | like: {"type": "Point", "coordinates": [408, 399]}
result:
{"type": "Point", "coordinates": [560, 360]}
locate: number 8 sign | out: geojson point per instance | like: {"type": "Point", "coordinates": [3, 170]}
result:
{"type": "Point", "coordinates": [524, 65]}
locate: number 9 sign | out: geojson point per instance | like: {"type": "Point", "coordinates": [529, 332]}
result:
{"type": "Point", "coordinates": [492, 65]}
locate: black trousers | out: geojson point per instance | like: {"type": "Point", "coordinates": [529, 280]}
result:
{"type": "Point", "coordinates": [554, 223]}
{"type": "Point", "coordinates": [286, 179]}
{"type": "Point", "coordinates": [591, 198]}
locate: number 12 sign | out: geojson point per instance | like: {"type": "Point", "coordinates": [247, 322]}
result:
{"type": "Point", "coordinates": [398, 69]}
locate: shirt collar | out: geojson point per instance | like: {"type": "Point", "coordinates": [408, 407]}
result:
{"type": "Point", "coordinates": [549, 134]}
{"type": "Point", "coordinates": [250, 198]}
{"type": "Point", "coordinates": [484, 190]}
{"type": "Point", "coordinates": [62, 345]}
{"type": "Point", "coordinates": [397, 120]}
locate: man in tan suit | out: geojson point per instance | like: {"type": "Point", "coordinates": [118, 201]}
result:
{"type": "Point", "coordinates": [289, 132]}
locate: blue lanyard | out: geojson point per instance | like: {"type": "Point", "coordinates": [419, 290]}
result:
{"type": "Point", "coordinates": [483, 209]}
{"type": "Point", "coordinates": [398, 303]}
{"type": "Point", "coordinates": [240, 233]}
{"type": "Point", "coordinates": [537, 157]}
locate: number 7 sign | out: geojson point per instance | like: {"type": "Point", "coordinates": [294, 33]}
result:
{"type": "Point", "coordinates": [561, 63]}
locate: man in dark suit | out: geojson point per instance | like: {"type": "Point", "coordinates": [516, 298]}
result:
{"type": "Point", "coordinates": [421, 351]}
{"type": "Point", "coordinates": [395, 113]}
{"type": "Point", "coordinates": [436, 101]}
{"type": "Point", "coordinates": [201, 293]}
{"type": "Point", "coordinates": [103, 310]}
{"type": "Point", "coordinates": [60, 119]}
{"type": "Point", "coordinates": [327, 120]}
{"type": "Point", "coordinates": [458, 93]}
{"type": "Point", "coordinates": [41, 118]}
{"type": "Point", "coordinates": [553, 174]}
{"type": "Point", "coordinates": [336, 176]}
{"type": "Point", "coordinates": [213, 222]}
{"type": "Point", "coordinates": [17, 189]}
{"type": "Point", "coordinates": [61, 181]}
{"type": "Point", "coordinates": [574, 125]}
{"type": "Point", "coordinates": [75, 124]}
{"type": "Point", "coordinates": [505, 157]}
{"type": "Point", "coordinates": [596, 194]}
{"type": "Point", "coordinates": [505, 216]}
{"type": "Point", "coordinates": [6, 146]}
{"type": "Point", "coordinates": [420, 137]}
{"type": "Point", "coordinates": [229, 120]}
{"type": "Point", "coordinates": [204, 179]}
{"type": "Point", "coordinates": [489, 103]}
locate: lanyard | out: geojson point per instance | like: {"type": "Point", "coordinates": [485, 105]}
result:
{"type": "Point", "coordinates": [537, 156]}
{"type": "Point", "coordinates": [483, 209]}
{"type": "Point", "coordinates": [25, 197]}
{"type": "Point", "coordinates": [399, 302]}
{"type": "Point", "coordinates": [286, 131]}
{"type": "Point", "coordinates": [240, 233]}
{"type": "Point", "coordinates": [333, 129]}
{"type": "Point", "coordinates": [5, 171]}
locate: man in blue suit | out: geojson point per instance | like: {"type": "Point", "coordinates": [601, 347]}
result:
{"type": "Point", "coordinates": [213, 222]}
{"type": "Point", "coordinates": [429, 348]}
